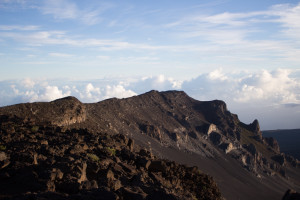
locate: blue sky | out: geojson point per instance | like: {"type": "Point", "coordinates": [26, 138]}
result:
{"type": "Point", "coordinates": [244, 52]}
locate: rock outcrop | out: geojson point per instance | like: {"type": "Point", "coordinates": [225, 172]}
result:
{"type": "Point", "coordinates": [61, 112]}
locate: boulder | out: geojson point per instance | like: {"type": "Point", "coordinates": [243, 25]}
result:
{"type": "Point", "coordinates": [216, 138]}
{"type": "Point", "coordinates": [83, 173]}
{"type": "Point", "coordinates": [158, 166]}
{"type": "Point", "coordinates": [110, 175]}
{"type": "Point", "coordinates": [115, 184]}
{"type": "Point", "coordinates": [56, 174]}
{"type": "Point", "coordinates": [145, 153]}
{"type": "Point", "coordinates": [226, 147]}
{"type": "Point", "coordinates": [143, 162]}
{"type": "Point", "coordinates": [130, 144]}
{"type": "Point", "coordinates": [3, 156]}
{"type": "Point", "coordinates": [211, 128]}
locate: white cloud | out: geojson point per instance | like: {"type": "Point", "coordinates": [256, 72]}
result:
{"type": "Point", "coordinates": [103, 57]}
{"type": "Point", "coordinates": [226, 18]}
{"type": "Point", "coordinates": [232, 36]}
{"type": "Point", "coordinates": [91, 92]}
{"type": "Point", "coordinates": [217, 75]}
{"type": "Point", "coordinates": [37, 63]}
{"type": "Point", "coordinates": [277, 87]}
{"type": "Point", "coordinates": [41, 38]}
{"type": "Point", "coordinates": [247, 35]}
{"type": "Point", "coordinates": [117, 91]}
{"type": "Point", "coordinates": [14, 4]}
{"type": "Point", "coordinates": [159, 82]}
{"type": "Point", "coordinates": [51, 93]}
{"type": "Point", "coordinates": [265, 87]}
{"type": "Point", "coordinates": [289, 17]}
{"type": "Point", "coordinates": [28, 90]}
{"type": "Point", "coordinates": [66, 87]}
{"type": "Point", "coordinates": [15, 90]}
{"type": "Point", "coordinates": [91, 17]}
{"type": "Point", "coordinates": [248, 93]}
{"type": "Point", "coordinates": [30, 96]}
{"type": "Point", "coordinates": [60, 9]}
{"type": "Point", "coordinates": [251, 95]}
{"type": "Point", "coordinates": [213, 85]}
{"type": "Point", "coordinates": [18, 28]}
{"type": "Point", "coordinates": [28, 83]}
{"type": "Point", "coordinates": [64, 9]}
{"type": "Point", "coordinates": [61, 55]}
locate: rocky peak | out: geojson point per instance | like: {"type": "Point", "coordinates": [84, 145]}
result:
{"type": "Point", "coordinates": [67, 99]}
{"type": "Point", "coordinates": [254, 126]}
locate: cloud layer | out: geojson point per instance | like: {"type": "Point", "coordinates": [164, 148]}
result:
{"type": "Point", "coordinates": [248, 94]}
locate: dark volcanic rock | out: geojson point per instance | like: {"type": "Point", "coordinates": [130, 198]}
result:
{"type": "Point", "coordinates": [93, 166]}
{"type": "Point", "coordinates": [272, 143]}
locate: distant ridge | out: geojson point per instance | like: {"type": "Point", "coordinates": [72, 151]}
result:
{"type": "Point", "coordinates": [288, 139]}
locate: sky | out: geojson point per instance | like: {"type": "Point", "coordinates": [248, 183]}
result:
{"type": "Point", "coordinates": [246, 53]}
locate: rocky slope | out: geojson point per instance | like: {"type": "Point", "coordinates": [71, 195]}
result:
{"type": "Point", "coordinates": [44, 162]}
{"type": "Point", "coordinates": [174, 126]}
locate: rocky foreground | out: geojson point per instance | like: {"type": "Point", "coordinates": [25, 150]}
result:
{"type": "Point", "coordinates": [45, 162]}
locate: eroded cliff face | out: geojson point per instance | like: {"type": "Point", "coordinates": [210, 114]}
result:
{"type": "Point", "coordinates": [68, 111]}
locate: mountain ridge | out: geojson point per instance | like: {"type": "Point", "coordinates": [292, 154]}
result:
{"type": "Point", "coordinates": [172, 123]}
